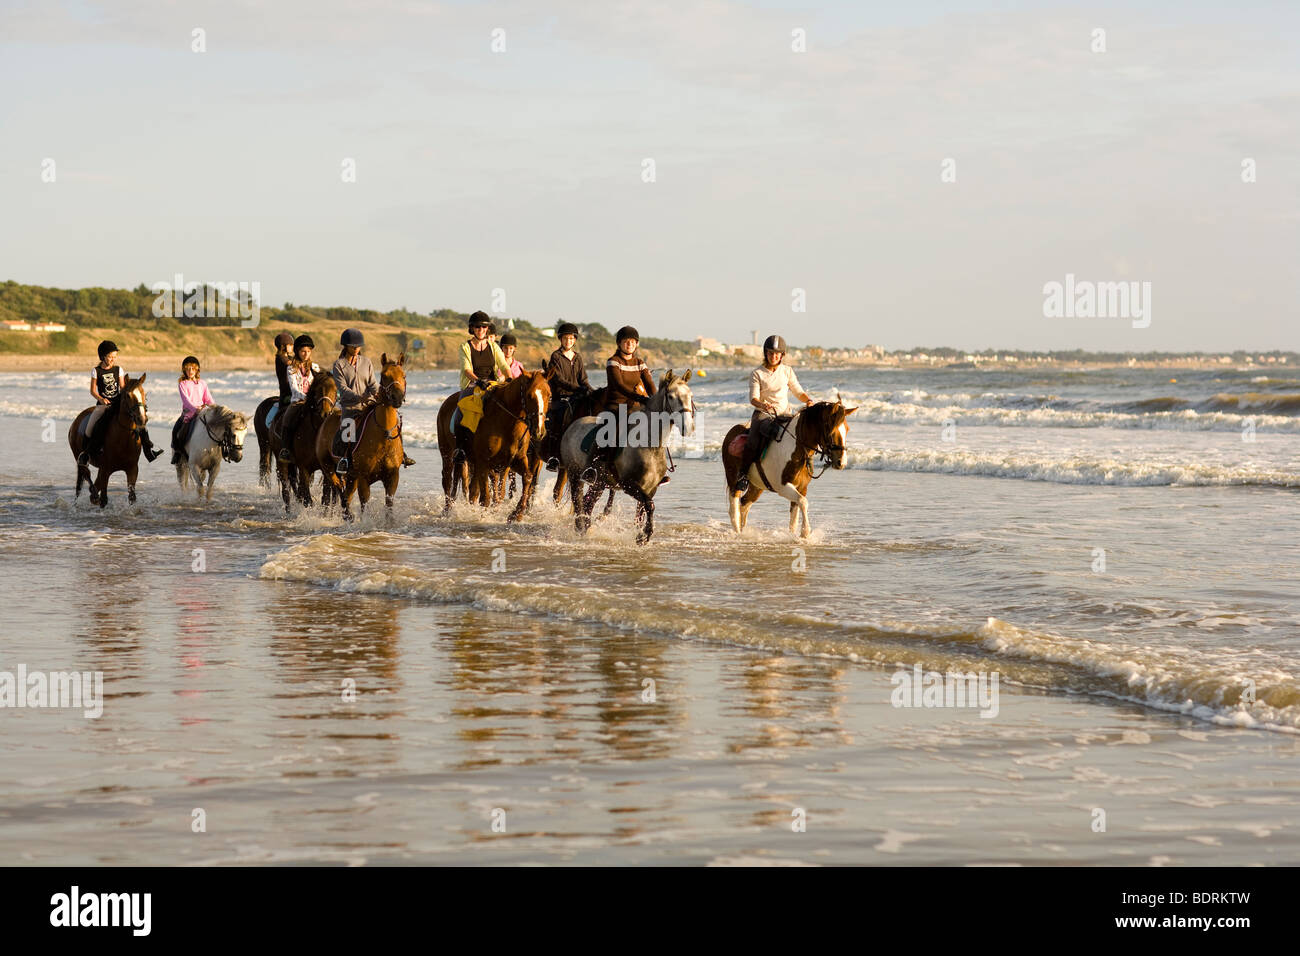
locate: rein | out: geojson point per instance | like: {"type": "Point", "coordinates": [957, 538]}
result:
{"type": "Point", "coordinates": [227, 444]}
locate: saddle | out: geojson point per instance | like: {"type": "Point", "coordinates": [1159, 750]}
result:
{"type": "Point", "coordinates": [339, 448]}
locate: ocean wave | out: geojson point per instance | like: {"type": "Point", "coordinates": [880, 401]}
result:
{"type": "Point", "coordinates": [1181, 681]}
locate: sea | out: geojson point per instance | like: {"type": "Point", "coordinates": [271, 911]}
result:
{"type": "Point", "coordinates": [1109, 555]}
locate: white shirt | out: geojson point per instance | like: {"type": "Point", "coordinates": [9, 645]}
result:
{"type": "Point", "coordinates": [775, 386]}
{"type": "Point", "coordinates": [300, 381]}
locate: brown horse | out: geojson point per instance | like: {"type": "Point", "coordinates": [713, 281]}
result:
{"type": "Point", "coordinates": [787, 465]}
{"type": "Point", "coordinates": [378, 454]}
{"type": "Point", "coordinates": [265, 454]}
{"type": "Point", "coordinates": [121, 450]}
{"type": "Point", "coordinates": [514, 417]}
{"type": "Point", "coordinates": [322, 397]}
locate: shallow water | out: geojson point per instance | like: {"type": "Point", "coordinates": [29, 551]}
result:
{"type": "Point", "coordinates": [524, 688]}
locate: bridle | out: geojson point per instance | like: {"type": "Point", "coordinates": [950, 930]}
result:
{"type": "Point", "coordinates": [141, 407]}
{"type": "Point", "coordinates": [227, 444]}
{"type": "Point", "coordinates": [827, 449]}
{"type": "Point", "coordinates": [393, 393]}
{"type": "Point", "coordinates": [531, 419]}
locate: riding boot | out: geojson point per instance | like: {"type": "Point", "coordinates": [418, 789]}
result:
{"type": "Point", "coordinates": [286, 444]}
{"type": "Point", "coordinates": [464, 438]}
{"type": "Point", "coordinates": [150, 450]}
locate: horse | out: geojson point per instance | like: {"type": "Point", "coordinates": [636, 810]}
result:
{"type": "Point", "coordinates": [637, 469]}
{"type": "Point", "coordinates": [265, 453]}
{"type": "Point", "coordinates": [221, 438]}
{"type": "Point", "coordinates": [787, 467]}
{"type": "Point", "coordinates": [514, 417]}
{"type": "Point", "coordinates": [378, 454]}
{"type": "Point", "coordinates": [581, 406]}
{"type": "Point", "coordinates": [462, 475]}
{"type": "Point", "coordinates": [322, 398]}
{"type": "Point", "coordinates": [121, 451]}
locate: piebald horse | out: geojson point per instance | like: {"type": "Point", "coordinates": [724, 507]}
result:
{"type": "Point", "coordinates": [216, 436]}
{"type": "Point", "coordinates": [121, 442]}
{"type": "Point", "coordinates": [787, 465]}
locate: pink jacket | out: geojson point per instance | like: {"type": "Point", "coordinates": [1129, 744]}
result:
{"type": "Point", "coordinates": [194, 395]}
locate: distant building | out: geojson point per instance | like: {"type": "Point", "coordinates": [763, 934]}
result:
{"type": "Point", "coordinates": [17, 326]}
{"type": "Point", "coordinates": [705, 345]}
{"type": "Point", "coordinates": [50, 327]}
{"type": "Point", "coordinates": [748, 351]}
{"type": "Point", "coordinates": [548, 333]}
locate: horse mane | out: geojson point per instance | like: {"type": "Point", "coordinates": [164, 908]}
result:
{"type": "Point", "coordinates": [222, 415]}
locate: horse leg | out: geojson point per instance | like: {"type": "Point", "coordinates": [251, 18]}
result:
{"type": "Point", "coordinates": [212, 477]}
{"type": "Point", "coordinates": [561, 482]}
{"type": "Point", "coordinates": [798, 507]}
{"type": "Point", "coordinates": [390, 488]}
{"type": "Point", "coordinates": [644, 536]}
{"type": "Point", "coordinates": [609, 504]}
{"type": "Point", "coordinates": [746, 502]}
{"type": "Point", "coordinates": [132, 472]}
{"type": "Point", "coordinates": [581, 520]}
{"type": "Point", "coordinates": [363, 494]}
{"type": "Point", "coordinates": [349, 487]}
{"type": "Point", "coordinates": [101, 486]}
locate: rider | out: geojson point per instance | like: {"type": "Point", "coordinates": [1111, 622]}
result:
{"type": "Point", "coordinates": [302, 371]}
{"type": "Point", "coordinates": [106, 384]}
{"type": "Point", "coordinates": [770, 386]}
{"type": "Point", "coordinates": [510, 345]}
{"type": "Point", "coordinates": [568, 380]}
{"type": "Point", "coordinates": [283, 359]}
{"type": "Point", "coordinates": [628, 382]}
{"type": "Point", "coordinates": [194, 398]}
{"type": "Point", "coordinates": [481, 363]}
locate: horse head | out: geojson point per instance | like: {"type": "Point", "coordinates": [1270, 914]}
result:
{"type": "Point", "coordinates": [134, 403]}
{"type": "Point", "coordinates": [829, 431]}
{"type": "Point", "coordinates": [677, 400]}
{"type": "Point", "coordinates": [234, 426]}
{"type": "Point", "coordinates": [322, 394]}
{"type": "Point", "coordinates": [392, 380]}
{"type": "Point", "coordinates": [537, 399]}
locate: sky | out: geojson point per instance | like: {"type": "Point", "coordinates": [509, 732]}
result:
{"type": "Point", "coordinates": [524, 169]}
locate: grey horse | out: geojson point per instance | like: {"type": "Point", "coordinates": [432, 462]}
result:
{"type": "Point", "coordinates": [641, 461]}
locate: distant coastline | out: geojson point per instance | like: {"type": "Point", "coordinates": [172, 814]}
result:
{"type": "Point", "coordinates": [77, 319]}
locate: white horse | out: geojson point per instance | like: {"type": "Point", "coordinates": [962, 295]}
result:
{"type": "Point", "coordinates": [217, 435]}
{"type": "Point", "coordinates": [641, 461]}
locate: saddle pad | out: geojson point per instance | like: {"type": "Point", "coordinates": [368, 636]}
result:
{"type": "Point", "coordinates": [89, 421]}
{"type": "Point", "coordinates": [737, 446]}
{"type": "Point", "coordinates": [471, 411]}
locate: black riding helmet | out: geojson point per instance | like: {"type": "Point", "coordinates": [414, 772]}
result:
{"type": "Point", "coordinates": [105, 347]}
{"type": "Point", "coordinates": [303, 341]}
{"type": "Point", "coordinates": [566, 328]}
{"type": "Point", "coordinates": [479, 319]}
{"type": "Point", "coordinates": [627, 332]}
{"type": "Point", "coordinates": [352, 337]}
{"type": "Point", "coordinates": [190, 360]}
{"type": "Point", "coordinates": [774, 343]}
{"type": "Point", "coordinates": [508, 339]}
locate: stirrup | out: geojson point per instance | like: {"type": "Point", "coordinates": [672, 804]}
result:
{"type": "Point", "coordinates": [342, 467]}
{"type": "Point", "coordinates": [590, 474]}
{"type": "Point", "coordinates": [553, 464]}
{"type": "Point", "coordinates": [83, 458]}
{"type": "Point", "coordinates": [285, 456]}
{"type": "Point", "coordinates": [407, 461]}
{"type": "Point", "coordinates": [459, 455]}
{"type": "Point", "coordinates": [742, 484]}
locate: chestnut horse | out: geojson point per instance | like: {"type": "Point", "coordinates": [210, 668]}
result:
{"type": "Point", "coordinates": [322, 397]}
{"type": "Point", "coordinates": [514, 417]}
{"type": "Point", "coordinates": [378, 454]}
{"type": "Point", "coordinates": [121, 450]}
{"type": "Point", "coordinates": [787, 465]}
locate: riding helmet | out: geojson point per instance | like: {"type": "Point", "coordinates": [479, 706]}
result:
{"type": "Point", "coordinates": [284, 338]}
{"type": "Point", "coordinates": [105, 347]}
{"type": "Point", "coordinates": [508, 339]}
{"type": "Point", "coordinates": [479, 319]}
{"type": "Point", "coordinates": [774, 343]}
{"type": "Point", "coordinates": [627, 332]}
{"type": "Point", "coordinates": [566, 328]}
{"type": "Point", "coordinates": [190, 360]}
{"type": "Point", "coordinates": [301, 341]}
{"type": "Point", "coordinates": [352, 337]}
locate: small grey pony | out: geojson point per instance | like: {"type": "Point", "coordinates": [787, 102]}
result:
{"type": "Point", "coordinates": [637, 468]}
{"type": "Point", "coordinates": [217, 435]}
